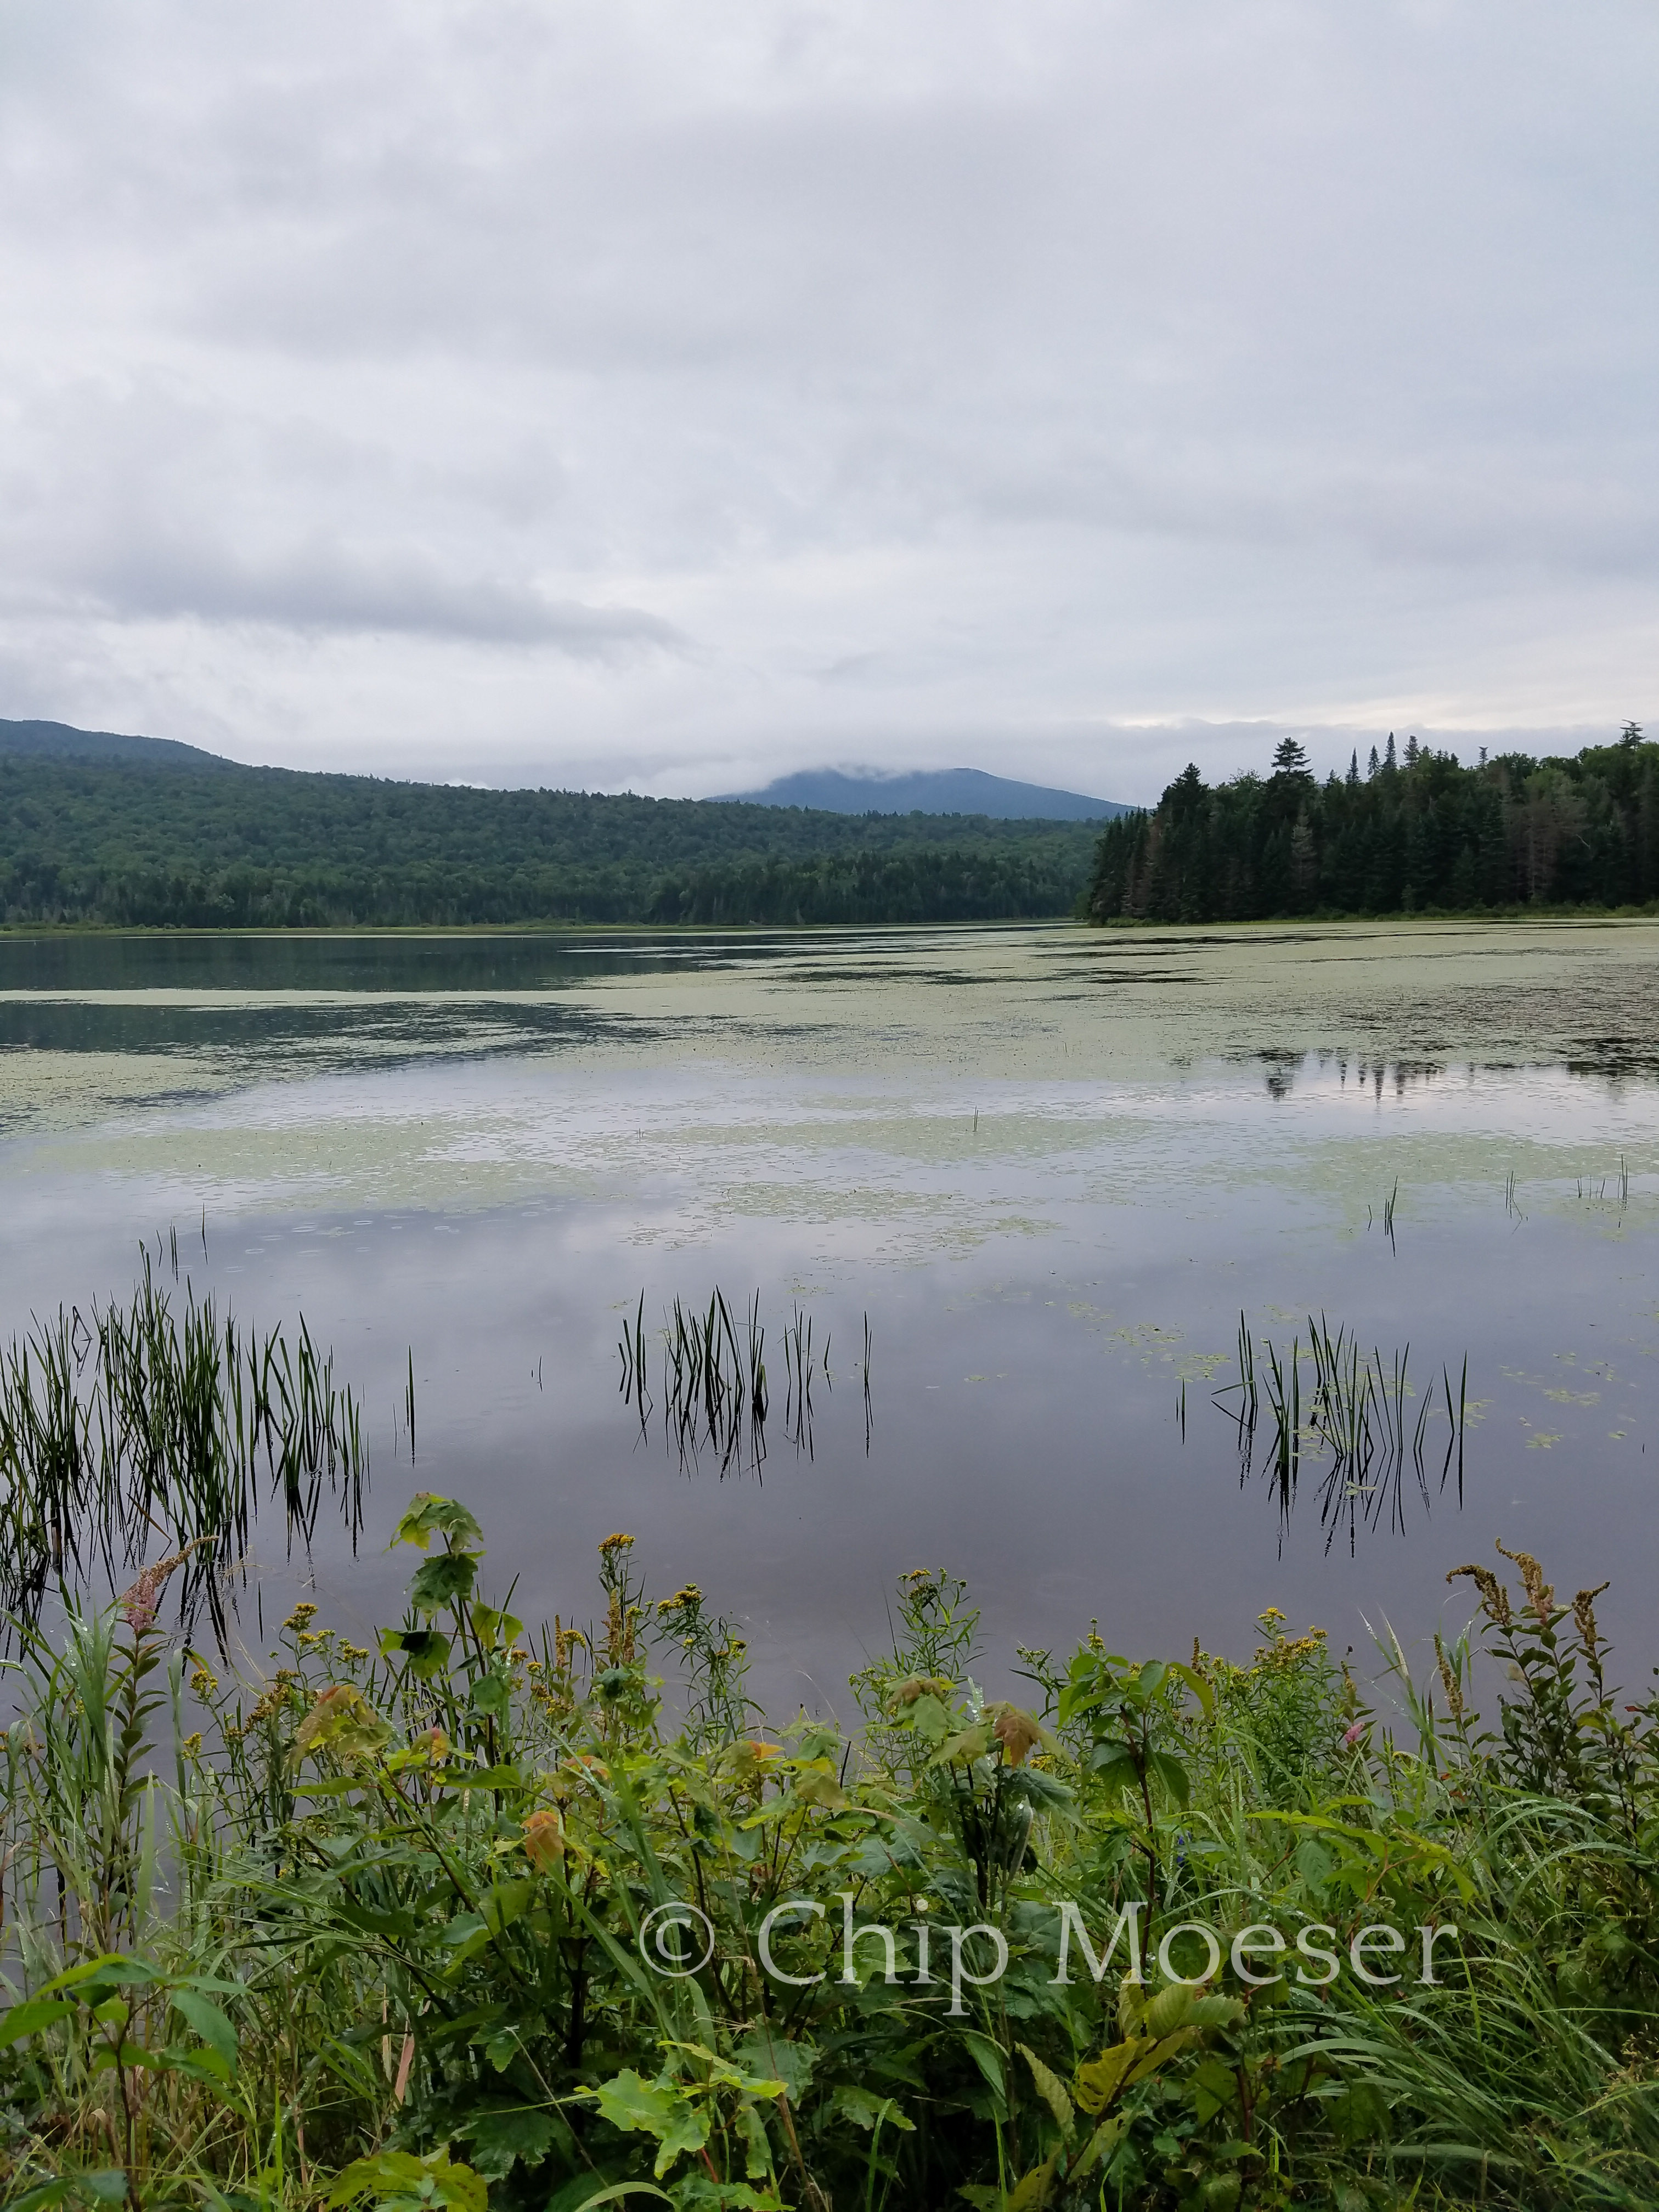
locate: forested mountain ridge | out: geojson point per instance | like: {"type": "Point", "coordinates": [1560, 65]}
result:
{"type": "Point", "coordinates": [118, 841]}
{"type": "Point", "coordinates": [930, 791]}
{"type": "Point", "coordinates": [1415, 833]}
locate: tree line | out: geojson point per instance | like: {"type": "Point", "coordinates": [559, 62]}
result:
{"type": "Point", "coordinates": [143, 846]}
{"type": "Point", "coordinates": [1414, 832]}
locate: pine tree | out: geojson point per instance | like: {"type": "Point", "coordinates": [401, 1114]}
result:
{"type": "Point", "coordinates": [1290, 758]}
{"type": "Point", "coordinates": [1372, 769]}
{"type": "Point", "coordinates": [1353, 766]}
{"type": "Point", "coordinates": [1388, 760]}
{"type": "Point", "coordinates": [1411, 752]}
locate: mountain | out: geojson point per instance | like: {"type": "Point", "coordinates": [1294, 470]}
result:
{"type": "Point", "coordinates": [931, 791]}
{"type": "Point", "coordinates": [57, 741]}
{"type": "Point", "coordinates": [137, 832]}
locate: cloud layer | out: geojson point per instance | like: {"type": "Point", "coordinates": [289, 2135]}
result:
{"type": "Point", "coordinates": [675, 395]}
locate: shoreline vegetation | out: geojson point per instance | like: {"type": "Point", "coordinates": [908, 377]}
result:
{"type": "Point", "coordinates": [117, 843]}
{"type": "Point", "coordinates": [515, 1918]}
{"type": "Point", "coordinates": [1411, 832]}
{"type": "Point", "coordinates": [487, 1919]}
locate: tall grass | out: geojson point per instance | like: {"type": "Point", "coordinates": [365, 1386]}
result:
{"type": "Point", "coordinates": [1355, 1423]}
{"type": "Point", "coordinates": [715, 1396]}
{"type": "Point", "coordinates": [152, 1426]}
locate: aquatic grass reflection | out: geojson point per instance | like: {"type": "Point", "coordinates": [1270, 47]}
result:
{"type": "Point", "coordinates": [715, 1393]}
{"type": "Point", "coordinates": [148, 1425]}
{"type": "Point", "coordinates": [1356, 1424]}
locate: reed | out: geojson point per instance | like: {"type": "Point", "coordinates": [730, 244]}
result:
{"type": "Point", "coordinates": [1356, 1424]}
{"type": "Point", "coordinates": [156, 1425]}
{"type": "Point", "coordinates": [800, 1366]}
{"type": "Point", "coordinates": [715, 1393]}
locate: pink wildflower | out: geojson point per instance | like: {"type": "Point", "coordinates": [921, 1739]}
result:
{"type": "Point", "coordinates": [141, 1603]}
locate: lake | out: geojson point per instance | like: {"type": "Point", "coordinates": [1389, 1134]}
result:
{"type": "Point", "coordinates": [1048, 1168]}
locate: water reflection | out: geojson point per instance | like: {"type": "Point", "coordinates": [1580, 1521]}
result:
{"type": "Point", "coordinates": [1354, 1428]}
{"type": "Point", "coordinates": [210, 960]}
{"type": "Point", "coordinates": [716, 1397]}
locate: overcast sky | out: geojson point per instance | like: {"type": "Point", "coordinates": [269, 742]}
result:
{"type": "Point", "coordinates": [673, 395]}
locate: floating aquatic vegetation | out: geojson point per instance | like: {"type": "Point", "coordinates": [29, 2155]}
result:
{"type": "Point", "coordinates": [1355, 1425]}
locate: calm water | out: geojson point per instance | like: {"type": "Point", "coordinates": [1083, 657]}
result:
{"type": "Point", "coordinates": [1049, 1166]}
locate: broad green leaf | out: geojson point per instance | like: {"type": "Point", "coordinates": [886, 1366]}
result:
{"type": "Point", "coordinates": [202, 2063]}
{"type": "Point", "coordinates": [494, 1628]}
{"type": "Point", "coordinates": [930, 1718]}
{"type": "Point", "coordinates": [504, 1904]}
{"type": "Point", "coordinates": [656, 2108]}
{"type": "Point", "coordinates": [427, 1515]}
{"type": "Point", "coordinates": [1050, 2088]}
{"type": "Point", "coordinates": [1032, 2190]}
{"type": "Point", "coordinates": [443, 1580]}
{"type": "Point", "coordinates": [1166, 2048]}
{"type": "Point", "coordinates": [793, 2062]}
{"type": "Point", "coordinates": [426, 1649]}
{"type": "Point", "coordinates": [619, 2189]}
{"type": "Point", "coordinates": [988, 2057]}
{"type": "Point", "coordinates": [490, 1695]}
{"type": "Point", "coordinates": [1114, 1763]}
{"type": "Point", "coordinates": [111, 1967]}
{"type": "Point", "coordinates": [210, 2023]}
{"type": "Point", "coordinates": [32, 2016]}
{"type": "Point", "coordinates": [48, 2193]}
{"type": "Point", "coordinates": [865, 2109]}
{"type": "Point", "coordinates": [1098, 2081]}
{"type": "Point", "coordinates": [966, 1746]}
{"type": "Point", "coordinates": [400, 2176]}
{"type": "Point", "coordinates": [500, 2133]}
{"type": "Point", "coordinates": [1172, 1774]}
{"type": "Point", "coordinates": [1196, 1683]}
{"type": "Point", "coordinates": [1104, 2139]}
{"type": "Point", "coordinates": [756, 2148]}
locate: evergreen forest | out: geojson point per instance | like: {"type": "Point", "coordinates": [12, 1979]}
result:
{"type": "Point", "coordinates": [1412, 832]}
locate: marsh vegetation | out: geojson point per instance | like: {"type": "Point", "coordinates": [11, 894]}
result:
{"type": "Point", "coordinates": [156, 1422]}
{"type": "Point", "coordinates": [1360, 1425]}
{"type": "Point", "coordinates": [714, 1394]}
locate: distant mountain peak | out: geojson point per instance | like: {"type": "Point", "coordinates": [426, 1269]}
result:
{"type": "Point", "coordinates": [58, 741]}
{"type": "Point", "coordinates": [927, 790]}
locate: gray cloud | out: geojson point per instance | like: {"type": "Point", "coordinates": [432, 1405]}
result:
{"type": "Point", "coordinates": [324, 587]}
{"type": "Point", "coordinates": [964, 382]}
